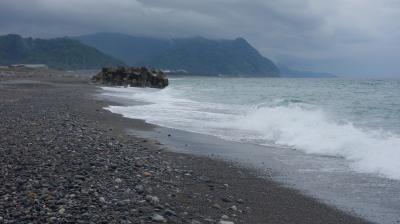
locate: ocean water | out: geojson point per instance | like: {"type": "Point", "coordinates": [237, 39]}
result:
{"type": "Point", "coordinates": [354, 120]}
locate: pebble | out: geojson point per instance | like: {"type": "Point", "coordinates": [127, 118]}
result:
{"type": "Point", "coordinates": [169, 212]}
{"type": "Point", "coordinates": [226, 199]}
{"type": "Point", "coordinates": [102, 199]}
{"type": "Point", "coordinates": [63, 165]}
{"type": "Point", "coordinates": [61, 211]}
{"type": "Point", "coordinates": [224, 217]}
{"type": "Point", "coordinates": [225, 222]}
{"type": "Point", "coordinates": [217, 206]}
{"type": "Point", "coordinates": [205, 179]}
{"type": "Point", "coordinates": [146, 174]}
{"type": "Point", "coordinates": [234, 208]}
{"type": "Point", "coordinates": [158, 218]}
{"type": "Point", "coordinates": [152, 199]}
{"type": "Point", "coordinates": [139, 189]}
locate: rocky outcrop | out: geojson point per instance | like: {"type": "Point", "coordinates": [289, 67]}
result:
{"type": "Point", "coordinates": [135, 77]}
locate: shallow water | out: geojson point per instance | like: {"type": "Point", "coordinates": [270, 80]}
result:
{"type": "Point", "coordinates": [326, 178]}
{"type": "Point", "coordinates": [336, 140]}
{"type": "Point", "coordinates": [354, 119]}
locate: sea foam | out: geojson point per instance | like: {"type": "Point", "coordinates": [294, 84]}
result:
{"type": "Point", "coordinates": [313, 131]}
{"type": "Point", "coordinates": [291, 124]}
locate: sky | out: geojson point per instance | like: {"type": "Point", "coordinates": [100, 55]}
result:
{"type": "Point", "coordinates": [355, 38]}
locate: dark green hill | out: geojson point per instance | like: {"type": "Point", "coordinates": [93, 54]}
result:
{"type": "Point", "coordinates": [195, 55]}
{"type": "Point", "coordinates": [59, 53]}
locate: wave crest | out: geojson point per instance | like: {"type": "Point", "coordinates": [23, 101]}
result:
{"type": "Point", "coordinates": [313, 131]}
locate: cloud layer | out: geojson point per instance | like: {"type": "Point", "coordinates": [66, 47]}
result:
{"type": "Point", "coordinates": [348, 37]}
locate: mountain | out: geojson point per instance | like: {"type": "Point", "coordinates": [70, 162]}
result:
{"type": "Point", "coordinates": [134, 51]}
{"type": "Point", "coordinates": [58, 53]}
{"type": "Point", "coordinates": [287, 72]}
{"type": "Point", "coordinates": [196, 55]}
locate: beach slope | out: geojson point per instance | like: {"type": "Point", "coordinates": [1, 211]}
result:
{"type": "Point", "coordinates": [66, 160]}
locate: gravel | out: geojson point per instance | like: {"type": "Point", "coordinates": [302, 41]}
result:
{"type": "Point", "coordinates": [66, 160]}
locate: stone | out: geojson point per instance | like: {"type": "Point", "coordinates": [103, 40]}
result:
{"type": "Point", "coordinates": [205, 179]}
{"type": "Point", "coordinates": [225, 222]}
{"type": "Point", "coordinates": [146, 174]}
{"type": "Point", "coordinates": [102, 199]}
{"type": "Point", "coordinates": [233, 208]}
{"type": "Point", "coordinates": [139, 189]}
{"type": "Point", "coordinates": [152, 199]}
{"type": "Point", "coordinates": [169, 212]}
{"type": "Point", "coordinates": [217, 206]}
{"type": "Point", "coordinates": [158, 218]}
{"type": "Point", "coordinates": [226, 199]}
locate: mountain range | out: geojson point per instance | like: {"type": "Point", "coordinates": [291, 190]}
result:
{"type": "Point", "coordinates": [197, 55]}
{"type": "Point", "coordinates": [58, 53]}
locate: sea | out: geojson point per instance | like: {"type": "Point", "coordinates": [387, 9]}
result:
{"type": "Point", "coordinates": [351, 125]}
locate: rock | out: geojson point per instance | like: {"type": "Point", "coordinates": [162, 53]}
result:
{"type": "Point", "coordinates": [158, 218]}
{"type": "Point", "coordinates": [61, 211]}
{"type": "Point", "coordinates": [240, 201]}
{"type": "Point", "coordinates": [217, 206]}
{"type": "Point", "coordinates": [233, 208]}
{"type": "Point", "coordinates": [102, 199]}
{"type": "Point", "coordinates": [152, 199]}
{"type": "Point", "coordinates": [139, 189]}
{"type": "Point", "coordinates": [225, 222]}
{"type": "Point", "coordinates": [169, 212]}
{"type": "Point", "coordinates": [118, 180]}
{"type": "Point", "coordinates": [134, 76]}
{"type": "Point", "coordinates": [146, 174]}
{"type": "Point", "coordinates": [224, 217]}
{"type": "Point", "coordinates": [226, 199]}
{"type": "Point", "coordinates": [205, 179]}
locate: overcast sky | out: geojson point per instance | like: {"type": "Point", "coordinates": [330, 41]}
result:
{"type": "Point", "coordinates": [346, 37]}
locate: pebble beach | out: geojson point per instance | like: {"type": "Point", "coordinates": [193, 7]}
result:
{"type": "Point", "coordinates": [64, 159]}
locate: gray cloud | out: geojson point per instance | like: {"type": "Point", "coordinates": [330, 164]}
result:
{"type": "Point", "coordinates": [349, 37]}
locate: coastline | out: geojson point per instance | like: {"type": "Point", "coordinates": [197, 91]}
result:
{"type": "Point", "coordinates": [69, 160]}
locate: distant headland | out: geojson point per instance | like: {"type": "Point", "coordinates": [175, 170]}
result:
{"type": "Point", "coordinates": [184, 56]}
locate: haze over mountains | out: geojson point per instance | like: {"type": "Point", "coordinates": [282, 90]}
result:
{"type": "Point", "coordinates": [292, 73]}
{"type": "Point", "coordinates": [196, 55]}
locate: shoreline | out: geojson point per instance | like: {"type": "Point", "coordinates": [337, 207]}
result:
{"type": "Point", "coordinates": [75, 163]}
{"type": "Point", "coordinates": [329, 179]}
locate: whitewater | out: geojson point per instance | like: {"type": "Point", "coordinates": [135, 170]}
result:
{"type": "Point", "coordinates": [353, 119]}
